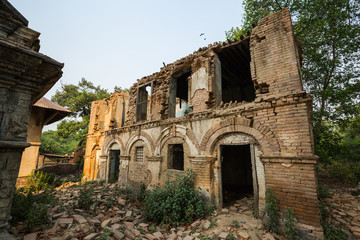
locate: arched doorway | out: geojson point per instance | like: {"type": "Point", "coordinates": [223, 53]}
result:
{"type": "Point", "coordinates": [113, 163]}
{"type": "Point", "coordinates": [239, 173]}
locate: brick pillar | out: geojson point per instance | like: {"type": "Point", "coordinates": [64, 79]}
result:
{"type": "Point", "coordinates": [200, 166]}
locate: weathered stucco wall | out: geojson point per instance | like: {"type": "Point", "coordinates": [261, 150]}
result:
{"type": "Point", "coordinates": [242, 93]}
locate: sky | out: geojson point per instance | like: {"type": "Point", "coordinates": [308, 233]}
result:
{"type": "Point", "coordinates": [115, 42]}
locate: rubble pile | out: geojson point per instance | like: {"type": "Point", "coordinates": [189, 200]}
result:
{"type": "Point", "coordinates": [113, 216]}
{"type": "Point", "coordinates": [344, 208]}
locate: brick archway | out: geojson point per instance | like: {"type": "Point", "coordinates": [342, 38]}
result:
{"type": "Point", "coordinates": [145, 137]}
{"type": "Point", "coordinates": [177, 131]}
{"type": "Point", "coordinates": [262, 134]}
{"type": "Point", "coordinates": [108, 142]}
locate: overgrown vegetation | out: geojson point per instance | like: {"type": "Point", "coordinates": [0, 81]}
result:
{"type": "Point", "coordinates": [178, 202]}
{"type": "Point", "coordinates": [271, 220]}
{"type": "Point", "coordinates": [85, 199]}
{"type": "Point", "coordinates": [290, 230]}
{"type": "Point", "coordinates": [38, 181]}
{"type": "Point", "coordinates": [331, 232]}
{"type": "Point", "coordinates": [31, 208]}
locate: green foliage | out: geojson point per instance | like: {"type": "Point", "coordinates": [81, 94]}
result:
{"type": "Point", "coordinates": [333, 233]}
{"type": "Point", "coordinates": [53, 144]}
{"type": "Point", "coordinates": [120, 89]}
{"type": "Point", "coordinates": [213, 223]}
{"type": "Point", "coordinates": [78, 99]}
{"type": "Point", "coordinates": [290, 221]}
{"type": "Point", "coordinates": [323, 191]}
{"type": "Point", "coordinates": [40, 181]}
{"type": "Point", "coordinates": [176, 203]}
{"type": "Point", "coordinates": [328, 31]}
{"type": "Point", "coordinates": [230, 237]}
{"type": "Point", "coordinates": [324, 210]}
{"type": "Point", "coordinates": [85, 197]}
{"type": "Point", "coordinates": [236, 224]}
{"type": "Point", "coordinates": [272, 212]}
{"type": "Point", "coordinates": [345, 172]}
{"type": "Point", "coordinates": [31, 208]}
{"type": "Point", "coordinates": [105, 234]}
{"type": "Point", "coordinates": [36, 216]}
{"type": "Point", "coordinates": [135, 195]}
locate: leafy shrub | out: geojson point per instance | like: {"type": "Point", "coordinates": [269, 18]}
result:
{"type": "Point", "coordinates": [346, 172]}
{"type": "Point", "coordinates": [36, 216]}
{"type": "Point", "coordinates": [290, 221]}
{"type": "Point", "coordinates": [272, 212]}
{"type": "Point", "coordinates": [323, 191]}
{"type": "Point", "coordinates": [135, 195]}
{"type": "Point", "coordinates": [31, 208]}
{"type": "Point", "coordinates": [40, 181]}
{"type": "Point", "coordinates": [178, 202]}
{"type": "Point", "coordinates": [333, 233]}
{"type": "Point", "coordinates": [85, 197]}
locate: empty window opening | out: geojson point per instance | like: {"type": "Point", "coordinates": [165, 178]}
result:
{"type": "Point", "coordinates": [142, 102]}
{"type": "Point", "coordinates": [236, 172]}
{"type": "Point", "coordinates": [139, 154]}
{"type": "Point", "coordinates": [114, 165]}
{"type": "Point", "coordinates": [236, 82]}
{"type": "Point", "coordinates": [179, 99]}
{"type": "Point", "coordinates": [176, 156]}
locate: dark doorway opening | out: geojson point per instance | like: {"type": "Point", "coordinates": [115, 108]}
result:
{"type": "Point", "coordinates": [236, 172]}
{"type": "Point", "coordinates": [114, 165]}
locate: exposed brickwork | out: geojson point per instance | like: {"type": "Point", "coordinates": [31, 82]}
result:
{"type": "Point", "coordinates": [269, 113]}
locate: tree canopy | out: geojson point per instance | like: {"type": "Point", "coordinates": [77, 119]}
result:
{"type": "Point", "coordinates": [329, 31]}
{"type": "Point", "coordinates": [78, 99]}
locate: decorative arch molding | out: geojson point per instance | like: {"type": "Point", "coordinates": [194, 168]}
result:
{"type": "Point", "coordinates": [177, 131]}
{"type": "Point", "coordinates": [145, 137]}
{"type": "Point", "coordinates": [109, 141]}
{"type": "Point", "coordinates": [262, 134]}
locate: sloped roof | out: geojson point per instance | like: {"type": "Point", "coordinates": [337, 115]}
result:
{"type": "Point", "coordinates": [54, 112]}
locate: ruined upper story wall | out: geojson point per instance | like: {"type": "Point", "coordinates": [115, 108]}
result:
{"type": "Point", "coordinates": [275, 62]}
{"type": "Point", "coordinates": [201, 88]}
{"type": "Point", "coordinates": [109, 113]}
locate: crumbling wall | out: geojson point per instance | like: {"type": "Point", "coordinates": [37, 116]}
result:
{"type": "Point", "coordinates": [273, 118]}
{"type": "Point", "coordinates": [289, 173]}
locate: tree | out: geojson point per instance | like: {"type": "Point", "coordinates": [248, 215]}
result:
{"type": "Point", "coordinates": [50, 143]}
{"type": "Point", "coordinates": [329, 31]}
{"type": "Point", "coordinates": [78, 99]}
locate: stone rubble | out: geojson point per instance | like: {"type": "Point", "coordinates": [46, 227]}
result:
{"type": "Point", "coordinates": [345, 209]}
{"type": "Point", "coordinates": [124, 220]}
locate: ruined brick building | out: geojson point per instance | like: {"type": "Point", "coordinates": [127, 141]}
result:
{"type": "Point", "coordinates": [25, 76]}
{"type": "Point", "coordinates": [235, 113]}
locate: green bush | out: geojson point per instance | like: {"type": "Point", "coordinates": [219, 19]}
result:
{"type": "Point", "coordinates": [40, 181]}
{"type": "Point", "coordinates": [178, 202]}
{"type": "Point", "coordinates": [347, 172]}
{"type": "Point", "coordinates": [31, 208]}
{"type": "Point", "coordinates": [272, 212]}
{"type": "Point", "coordinates": [333, 233]}
{"type": "Point", "coordinates": [290, 221]}
{"type": "Point", "coordinates": [323, 191]}
{"type": "Point", "coordinates": [135, 195]}
{"type": "Point", "coordinates": [85, 197]}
